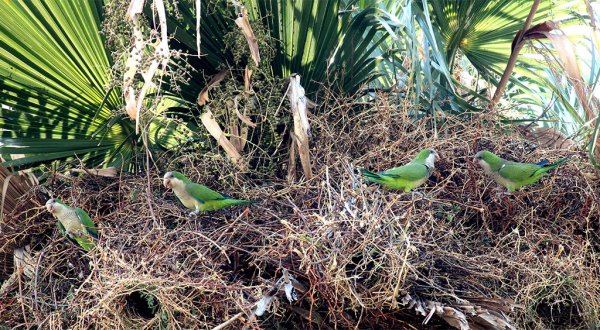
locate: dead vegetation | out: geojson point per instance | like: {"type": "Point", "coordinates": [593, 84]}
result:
{"type": "Point", "coordinates": [458, 255]}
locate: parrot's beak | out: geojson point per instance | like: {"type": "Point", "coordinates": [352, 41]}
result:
{"type": "Point", "coordinates": [50, 207]}
{"type": "Point", "coordinates": [167, 183]}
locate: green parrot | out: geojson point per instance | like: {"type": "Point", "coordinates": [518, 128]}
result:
{"type": "Point", "coordinates": [196, 196]}
{"type": "Point", "coordinates": [513, 175]}
{"type": "Point", "coordinates": [74, 223]}
{"type": "Point", "coordinates": [409, 176]}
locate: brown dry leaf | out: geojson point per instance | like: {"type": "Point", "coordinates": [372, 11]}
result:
{"type": "Point", "coordinates": [244, 137]}
{"type": "Point", "coordinates": [215, 130]}
{"type": "Point", "coordinates": [234, 138]}
{"type": "Point", "coordinates": [422, 53]}
{"type": "Point", "coordinates": [109, 172]}
{"type": "Point", "coordinates": [547, 137]}
{"type": "Point", "coordinates": [566, 52]}
{"type": "Point", "coordinates": [248, 81]}
{"type": "Point", "coordinates": [454, 317]}
{"type": "Point", "coordinates": [243, 23]}
{"type": "Point", "coordinates": [244, 119]}
{"type": "Point", "coordinates": [535, 32]}
{"type": "Point", "coordinates": [216, 79]}
{"type": "Point", "coordinates": [13, 187]}
{"type": "Point", "coordinates": [464, 316]}
{"type": "Point", "coordinates": [22, 263]}
{"type": "Point", "coordinates": [234, 127]}
{"type": "Point", "coordinates": [301, 132]}
{"type": "Point", "coordinates": [550, 137]}
{"type": "Point", "coordinates": [291, 174]}
{"type": "Point", "coordinates": [491, 320]}
{"type": "Point", "coordinates": [243, 128]}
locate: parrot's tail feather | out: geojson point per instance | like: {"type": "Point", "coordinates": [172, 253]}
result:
{"type": "Point", "coordinates": [557, 163]}
{"type": "Point", "coordinates": [243, 202]}
{"type": "Point", "coordinates": [371, 176]}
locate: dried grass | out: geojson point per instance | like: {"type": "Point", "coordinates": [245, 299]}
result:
{"type": "Point", "coordinates": [369, 258]}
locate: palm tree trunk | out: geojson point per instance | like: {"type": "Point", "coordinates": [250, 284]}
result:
{"type": "Point", "coordinates": [513, 56]}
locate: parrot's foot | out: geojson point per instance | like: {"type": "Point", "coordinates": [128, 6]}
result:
{"type": "Point", "coordinates": [193, 214]}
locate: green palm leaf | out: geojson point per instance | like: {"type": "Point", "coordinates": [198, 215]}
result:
{"type": "Point", "coordinates": [483, 30]}
{"type": "Point", "coordinates": [54, 73]}
{"type": "Point", "coordinates": [310, 38]}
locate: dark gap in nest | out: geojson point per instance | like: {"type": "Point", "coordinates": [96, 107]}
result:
{"type": "Point", "coordinates": [241, 268]}
{"type": "Point", "coordinates": [559, 315]}
{"type": "Point", "coordinates": [142, 304]}
{"type": "Point", "coordinates": [363, 268]}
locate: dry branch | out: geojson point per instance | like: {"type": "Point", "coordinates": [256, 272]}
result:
{"type": "Point", "coordinates": [301, 131]}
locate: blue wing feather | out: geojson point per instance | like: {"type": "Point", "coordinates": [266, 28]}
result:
{"type": "Point", "coordinates": [543, 162]}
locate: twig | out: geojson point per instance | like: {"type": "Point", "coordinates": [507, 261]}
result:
{"type": "Point", "coordinates": [228, 322]}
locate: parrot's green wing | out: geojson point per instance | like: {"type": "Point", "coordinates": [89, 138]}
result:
{"type": "Point", "coordinates": [202, 193]}
{"type": "Point", "coordinates": [87, 222]}
{"type": "Point", "coordinates": [61, 228]}
{"type": "Point", "coordinates": [410, 172]}
{"type": "Point", "coordinates": [518, 172]}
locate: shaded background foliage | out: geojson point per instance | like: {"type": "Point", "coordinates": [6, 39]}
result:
{"type": "Point", "coordinates": [60, 85]}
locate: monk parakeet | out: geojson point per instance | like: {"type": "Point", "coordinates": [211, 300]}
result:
{"type": "Point", "coordinates": [513, 175]}
{"type": "Point", "coordinates": [74, 223]}
{"type": "Point", "coordinates": [409, 176]}
{"type": "Point", "coordinates": [196, 196]}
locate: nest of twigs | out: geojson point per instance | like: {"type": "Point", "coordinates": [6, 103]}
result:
{"type": "Point", "coordinates": [455, 255]}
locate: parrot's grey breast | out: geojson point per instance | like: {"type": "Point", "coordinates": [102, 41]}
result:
{"type": "Point", "coordinates": [501, 180]}
{"type": "Point", "coordinates": [70, 220]}
{"type": "Point", "coordinates": [186, 199]}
